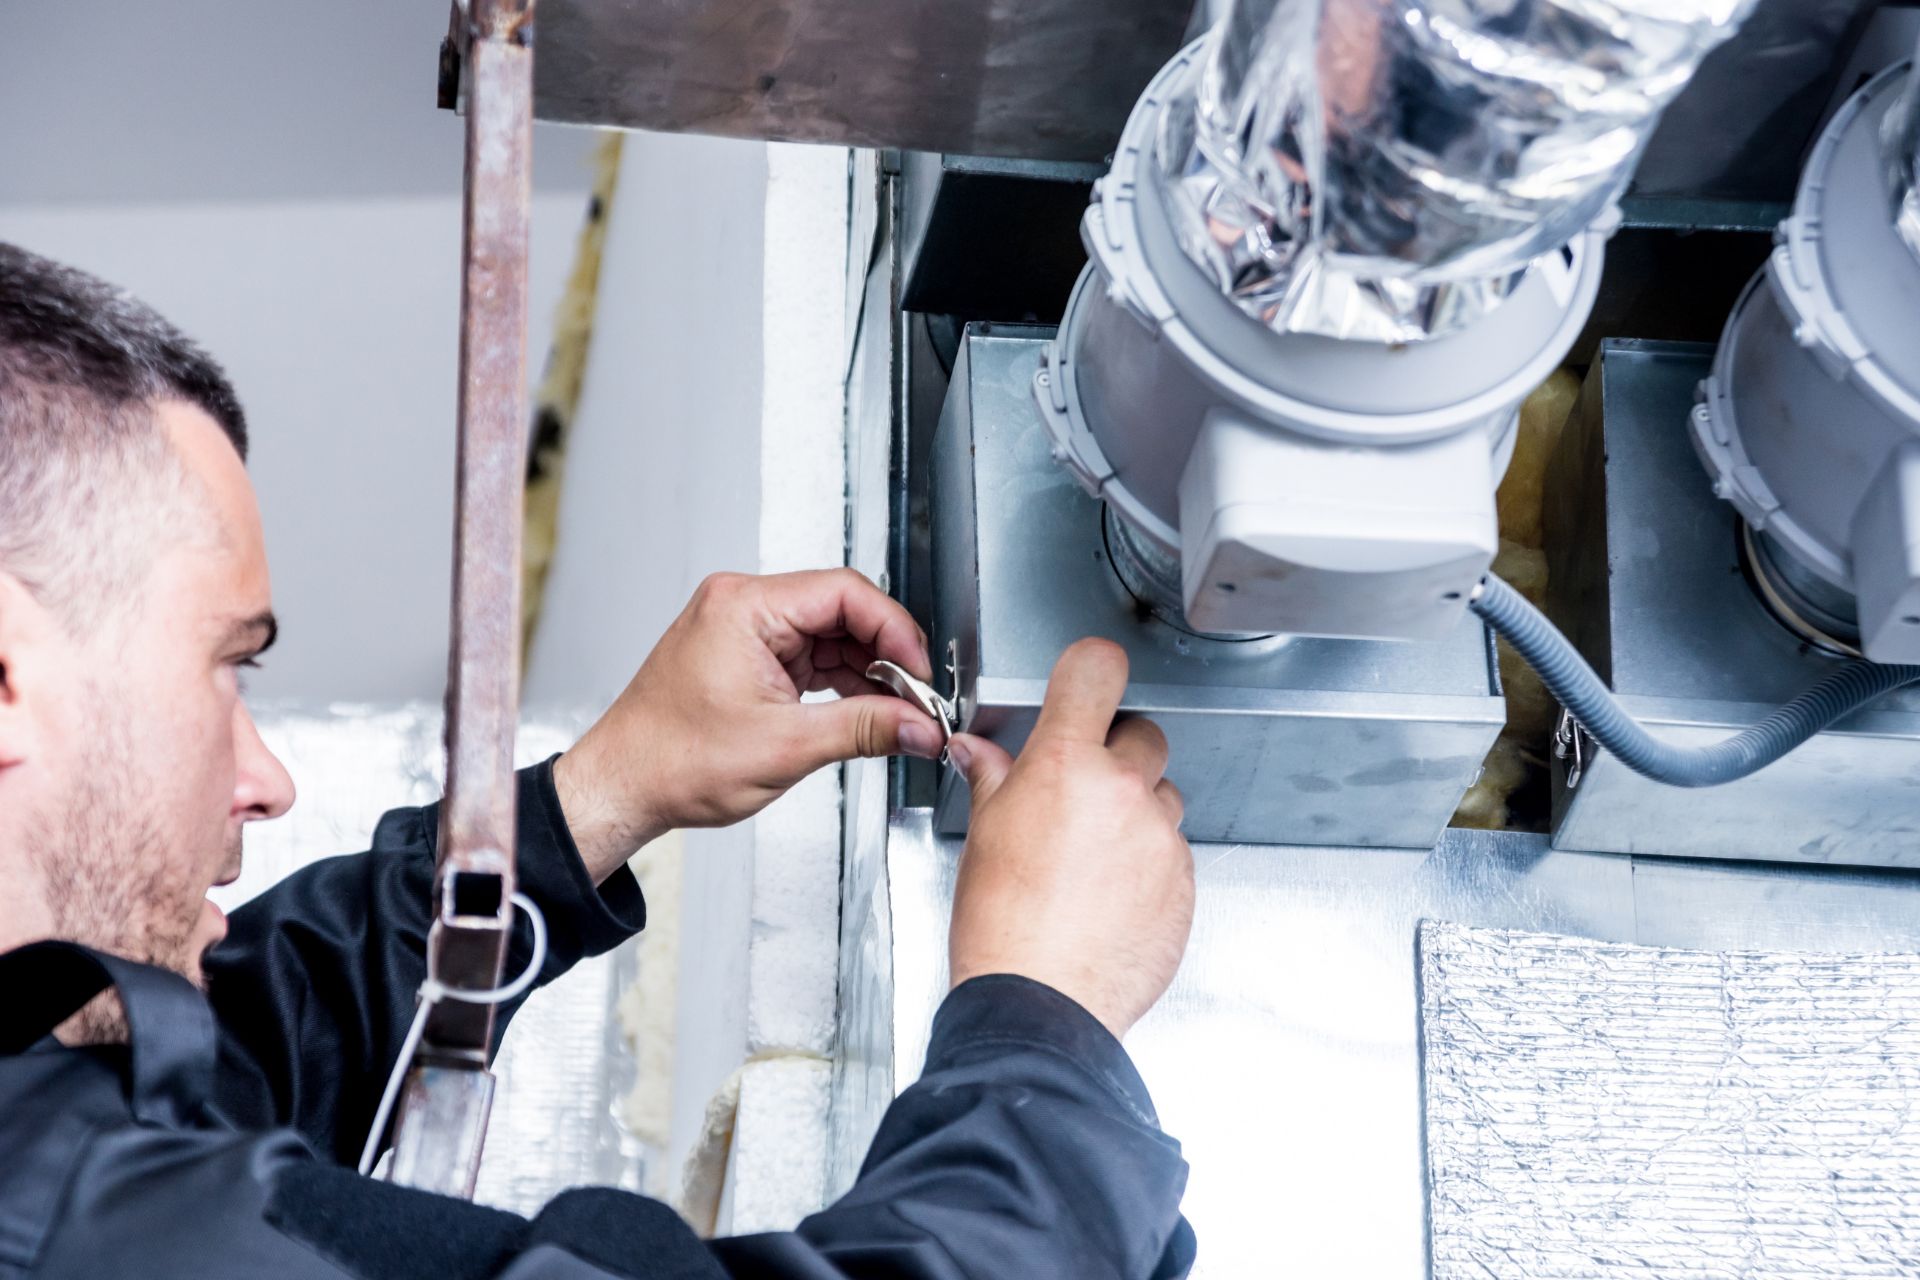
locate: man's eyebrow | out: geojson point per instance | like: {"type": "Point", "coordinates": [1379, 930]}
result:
{"type": "Point", "coordinates": [262, 628]}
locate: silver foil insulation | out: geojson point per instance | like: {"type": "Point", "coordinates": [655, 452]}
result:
{"type": "Point", "coordinates": [1901, 142]}
{"type": "Point", "coordinates": [1596, 1110]}
{"type": "Point", "coordinates": [563, 1066]}
{"type": "Point", "coordinates": [1387, 169]}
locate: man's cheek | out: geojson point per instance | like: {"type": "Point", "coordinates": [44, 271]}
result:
{"type": "Point", "coordinates": [209, 780]}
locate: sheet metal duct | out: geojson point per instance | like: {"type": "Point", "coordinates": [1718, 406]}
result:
{"type": "Point", "coordinates": [1040, 79]}
{"type": "Point", "coordinates": [1646, 579]}
{"type": "Point", "coordinates": [1052, 79]}
{"type": "Point", "coordinates": [1302, 741]}
{"type": "Point", "coordinates": [1740, 130]}
{"type": "Point", "coordinates": [1387, 169]}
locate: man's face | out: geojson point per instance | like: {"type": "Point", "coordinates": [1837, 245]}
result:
{"type": "Point", "coordinates": [154, 763]}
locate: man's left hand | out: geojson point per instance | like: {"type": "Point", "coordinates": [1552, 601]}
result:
{"type": "Point", "coordinates": [713, 728]}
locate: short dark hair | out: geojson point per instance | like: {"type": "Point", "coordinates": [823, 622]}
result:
{"type": "Point", "coordinates": [62, 330]}
{"type": "Point", "coordinates": [82, 367]}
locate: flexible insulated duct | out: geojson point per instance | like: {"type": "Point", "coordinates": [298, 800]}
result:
{"type": "Point", "coordinates": [1900, 138]}
{"type": "Point", "coordinates": [1388, 169]}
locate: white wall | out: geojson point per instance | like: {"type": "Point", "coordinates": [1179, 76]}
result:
{"type": "Point", "coordinates": [337, 321]}
{"type": "Point", "coordinates": [662, 487]}
{"type": "Point", "coordinates": [662, 482]}
{"type": "Point", "coordinates": [277, 181]}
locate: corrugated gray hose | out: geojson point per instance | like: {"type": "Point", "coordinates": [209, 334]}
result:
{"type": "Point", "coordinates": [1582, 692]}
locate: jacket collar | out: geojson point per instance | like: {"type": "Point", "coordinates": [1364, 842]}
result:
{"type": "Point", "coordinates": [170, 1024]}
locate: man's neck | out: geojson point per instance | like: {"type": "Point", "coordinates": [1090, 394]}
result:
{"type": "Point", "coordinates": [102, 1021]}
{"type": "Point", "coordinates": [24, 916]}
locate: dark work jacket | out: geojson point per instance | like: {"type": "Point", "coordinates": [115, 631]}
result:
{"type": "Point", "coordinates": [212, 1146]}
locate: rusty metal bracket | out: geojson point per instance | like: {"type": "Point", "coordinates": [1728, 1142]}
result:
{"type": "Point", "coordinates": [442, 1122]}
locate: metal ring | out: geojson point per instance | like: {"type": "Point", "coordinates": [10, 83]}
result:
{"type": "Point", "coordinates": [1782, 608]}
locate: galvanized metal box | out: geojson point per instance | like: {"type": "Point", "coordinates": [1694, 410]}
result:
{"type": "Point", "coordinates": [1274, 741]}
{"type": "Point", "coordinates": [1647, 579]}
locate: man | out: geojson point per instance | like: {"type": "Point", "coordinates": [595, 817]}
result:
{"type": "Point", "coordinates": [179, 1093]}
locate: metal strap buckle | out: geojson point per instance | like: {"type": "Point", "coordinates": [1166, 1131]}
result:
{"type": "Point", "coordinates": [1570, 742]}
{"type": "Point", "coordinates": [922, 695]}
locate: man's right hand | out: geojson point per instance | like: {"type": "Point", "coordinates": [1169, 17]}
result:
{"type": "Point", "coordinates": [1075, 873]}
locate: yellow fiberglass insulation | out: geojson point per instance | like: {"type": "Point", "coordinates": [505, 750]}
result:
{"type": "Point", "coordinates": [1519, 755]}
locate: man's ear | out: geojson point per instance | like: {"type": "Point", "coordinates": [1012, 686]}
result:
{"type": "Point", "coordinates": [25, 627]}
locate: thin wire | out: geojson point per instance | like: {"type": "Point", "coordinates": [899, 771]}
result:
{"type": "Point", "coordinates": [371, 1152]}
{"type": "Point", "coordinates": [432, 991]}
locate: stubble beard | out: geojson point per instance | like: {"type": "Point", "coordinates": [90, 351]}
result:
{"type": "Point", "coordinates": [104, 862]}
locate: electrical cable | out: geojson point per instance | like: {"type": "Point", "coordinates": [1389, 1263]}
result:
{"type": "Point", "coordinates": [432, 991]}
{"type": "Point", "coordinates": [1586, 697]}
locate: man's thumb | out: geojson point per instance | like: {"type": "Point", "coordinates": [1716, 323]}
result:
{"type": "Point", "coordinates": [868, 725]}
{"type": "Point", "coordinates": [984, 764]}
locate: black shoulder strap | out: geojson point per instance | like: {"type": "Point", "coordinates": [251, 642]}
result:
{"type": "Point", "coordinates": [170, 1023]}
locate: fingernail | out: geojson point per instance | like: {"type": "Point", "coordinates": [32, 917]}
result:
{"type": "Point", "coordinates": [959, 754]}
{"type": "Point", "coordinates": [919, 740]}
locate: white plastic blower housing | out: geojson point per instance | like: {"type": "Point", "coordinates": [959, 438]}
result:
{"type": "Point", "coordinates": [1289, 482]}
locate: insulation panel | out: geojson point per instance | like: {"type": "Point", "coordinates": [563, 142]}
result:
{"type": "Point", "coordinates": [1596, 1110]}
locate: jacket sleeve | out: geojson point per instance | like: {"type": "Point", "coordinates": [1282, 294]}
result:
{"type": "Point", "coordinates": [314, 984]}
{"type": "Point", "coordinates": [1028, 1147]}
{"type": "Point", "coordinates": [212, 1204]}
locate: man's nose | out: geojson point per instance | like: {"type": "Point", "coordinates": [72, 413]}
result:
{"type": "Point", "coordinates": [262, 787]}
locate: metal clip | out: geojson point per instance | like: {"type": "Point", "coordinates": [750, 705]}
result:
{"type": "Point", "coordinates": [920, 694]}
{"type": "Point", "coordinates": [1570, 742]}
